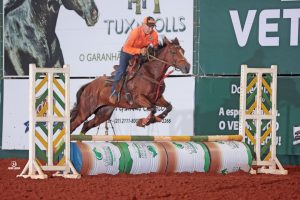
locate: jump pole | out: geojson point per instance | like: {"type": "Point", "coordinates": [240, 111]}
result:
{"type": "Point", "coordinates": [198, 138]}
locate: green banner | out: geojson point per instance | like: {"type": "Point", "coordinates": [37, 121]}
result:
{"type": "Point", "coordinates": [256, 33]}
{"type": "Point", "coordinates": [217, 110]}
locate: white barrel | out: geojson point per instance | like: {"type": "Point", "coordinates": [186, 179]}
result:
{"type": "Point", "coordinates": [229, 156]}
{"type": "Point", "coordinates": [91, 158]}
{"type": "Point", "coordinates": [187, 157]}
{"type": "Point", "coordinates": [106, 158]}
{"type": "Point", "coordinates": [143, 157]}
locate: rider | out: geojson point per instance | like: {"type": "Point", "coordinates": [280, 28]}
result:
{"type": "Point", "coordinates": [137, 42]}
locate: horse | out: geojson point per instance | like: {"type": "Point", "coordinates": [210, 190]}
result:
{"type": "Point", "coordinates": [29, 32]}
{"type": "Point", "coordinates": [146, 88]}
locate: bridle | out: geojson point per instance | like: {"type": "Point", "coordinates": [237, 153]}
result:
{"type": "Point", "coordinates": [173, 53]}
{"type": "Point", "coordinates": [167, 64]}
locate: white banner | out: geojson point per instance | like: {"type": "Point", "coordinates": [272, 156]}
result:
{"type": "Point", "coordinates": [179, 92]}
{"type": "Point", "coordinates": [94, 50]}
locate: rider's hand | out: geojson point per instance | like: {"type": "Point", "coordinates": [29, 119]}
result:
{"type": "Point", "coordinates": [143, 51]}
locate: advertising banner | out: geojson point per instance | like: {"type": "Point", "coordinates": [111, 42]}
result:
{"type": "Point", "coordinates": [88, 37]}
{"type": "Point", "coordinates": [123, 121]}
{"type": "Point", "coordinates": [220, 115]}
{"type": "Point", "coordinates": [256, 33]}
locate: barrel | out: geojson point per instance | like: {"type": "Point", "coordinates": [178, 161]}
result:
{"type": "Point", "coordinates": [138, 157]}
{"type": "Point", "coordinates": [229, 156]}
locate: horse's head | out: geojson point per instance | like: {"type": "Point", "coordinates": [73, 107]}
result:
{"type": "Point", "coordinates": [175, 55]}
{"type": "Point", "coordinates": [87, 9]}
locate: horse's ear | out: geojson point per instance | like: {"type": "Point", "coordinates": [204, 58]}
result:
{"type": "Point", "coordinates": [53, 5]}
{"type": "Point", "coordinates": [166, 41]}
{"type": "Point", "coordinates": [176, 41]}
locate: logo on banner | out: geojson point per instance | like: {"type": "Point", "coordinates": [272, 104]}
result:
{"type": "Point", "coordinates": [296, 131]}
{"type": "Point", "coordinates": [38, 109]}
{"type": "Point", "coordinates": [13, 166]}
{"type": "Point", "coordinates": [143, 4]}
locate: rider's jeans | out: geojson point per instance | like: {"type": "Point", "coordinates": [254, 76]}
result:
{"type": "Point", "coordinates": [124, 60]}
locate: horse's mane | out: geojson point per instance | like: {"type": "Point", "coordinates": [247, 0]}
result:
{"type": "Point", "coordinates": [161, 45]}
{"type": "Point", "coordinates": [11, 5]}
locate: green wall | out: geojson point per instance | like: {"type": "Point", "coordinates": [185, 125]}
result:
{"type": "Point", "coordinates": [219, 49]}
{"type": "Point", "coordinates": [217, 105]}
{"type": "Point", "coordinates": [217, 60]}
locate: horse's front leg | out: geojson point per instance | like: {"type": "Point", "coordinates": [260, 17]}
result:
{"type": "Point", "coordinates": [162, 102]}
{"type": "Point", "coordinates": [144, 102]}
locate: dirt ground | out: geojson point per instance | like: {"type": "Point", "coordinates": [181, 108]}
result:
{"type": "Point", "coordinates": [238, 185]}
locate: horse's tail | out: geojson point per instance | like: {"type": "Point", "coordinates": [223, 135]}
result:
{"type": "Point", "coordinates": [74, 110]}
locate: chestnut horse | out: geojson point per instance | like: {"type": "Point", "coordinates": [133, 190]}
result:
{"type": "Point", "coordinates": [146, 88]}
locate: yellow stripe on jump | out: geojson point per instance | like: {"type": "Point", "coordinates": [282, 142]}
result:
{"type": "Point", "coordinates": [235, 137]}
{"type": "Point", "coordinates": [250, 136]}
{"type": "Point", "coordinates": [58, 138]}
{"type": "Point", "coordinates": [264, 108]}
{"type": "Point", "coordinates": [59, 87]}
{"type": "Point", "coordinates": [43, 110]}
{"type": "Point", "coordinates": [38, 162]}
{"type": "Point", "coordinates": [40, 85]}
{"type": "Point", "coordinates": [122, 138]}
{"type": "Point", "coordinates": [265, 135]}
{"type": "Point", "coordinates": [252, 107]}
{"type": "Point", "coordinates": [57, 112]}
{"type": "Point", "coordinates": [41, 139]}
{"type": "Point", "coordinates": [254, 80]}
{"type": "Point", "coordinates": [62, 161]}
{"type": "Point", "coordinates": [267, 86]}
{"type": "Point", "coordinates": [268, 156]}
{"type": "Point", "coordinates": [180, 138]}
{"type": "Point", "coordinates": [213, 138]}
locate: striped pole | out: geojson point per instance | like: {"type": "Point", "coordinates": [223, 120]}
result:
{"type": "Point", "coordinates": [198, 138]}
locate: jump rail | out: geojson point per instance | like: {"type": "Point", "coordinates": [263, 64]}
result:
{"type": "Point", "coordinates": [210, 138]}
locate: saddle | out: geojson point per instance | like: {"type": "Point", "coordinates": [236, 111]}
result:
{"type": "Point", "coordinates": [134, 65]}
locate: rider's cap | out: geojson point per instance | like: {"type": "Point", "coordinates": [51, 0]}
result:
{"type": "Point", "coordinates": [149, 21]}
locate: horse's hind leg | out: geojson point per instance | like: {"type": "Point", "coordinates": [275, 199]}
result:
{"type": "Point", "coordinates": [79, 118]}
{"type": "Point", "coordinates": [101, 115]}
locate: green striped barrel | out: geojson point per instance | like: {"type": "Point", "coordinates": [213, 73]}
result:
{"type": "Point", "coordinates": [187, 157]}
{"type": "Point", "coordinates": [229, 156]}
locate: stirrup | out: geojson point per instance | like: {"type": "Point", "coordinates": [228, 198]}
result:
{"type": "Point", "coordinates": [117, 94]}
{"type": "Point", "coordinates": [128, 98]}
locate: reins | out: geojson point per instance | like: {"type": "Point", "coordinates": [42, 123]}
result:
{"type": "Point", "coordinates": [160, 82]}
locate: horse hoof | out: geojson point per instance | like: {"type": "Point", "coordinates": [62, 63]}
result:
{"type": "Point", "coordinates": [157, 119]}
{"type": "Point", "coordinates": [140, 123]}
